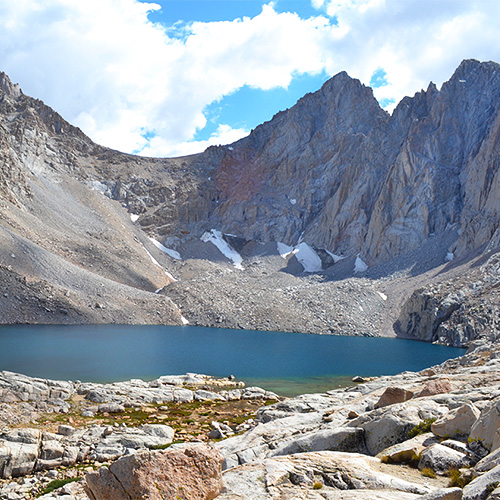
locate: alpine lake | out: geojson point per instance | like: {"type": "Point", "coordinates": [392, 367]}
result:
{"type": "Point", "coordinates": [286, 363]}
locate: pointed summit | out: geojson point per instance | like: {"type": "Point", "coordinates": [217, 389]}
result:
{"type": "Point", "coordinates": [9, 88]}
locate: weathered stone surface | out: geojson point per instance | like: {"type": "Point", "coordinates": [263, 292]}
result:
{"type": "Point", "coordinates": [487, 427]}
{"type": "Point", "coordinates": [408, 452]}
{"type": "Point", "coordinates": [65, 430]}
{"type": "Point", "coordinates": [18, 452]}
{"type": "Point", "coordinates": [385, 427]}
{"type": "Point", "coordinates": [393, 395]}
{"type": "Point", "coordinates": [286, 477]}
{"type": "Point", "coordinates": [119, 441]}
{"type": "Point", "coordinates": [441, 459]}
{"type": "Point", "coordinates": [457, 421]}
{"type": "Point", "coordinates": [337, 439]}
{"type": "Point", "coordinates": [434, 387]}
{"type": "Point", "coordinates": [191, 473]}
{"type": "Point", "coordinates": [481, 487]}
{"type": "Point", "coordinates": [444, 494]}
{"type": "Point", "coordinates": [23, 388]}
{"type": "Point", "coordinates": [111, 408]}
{"type": "Point", "coordinates": [488, 462]}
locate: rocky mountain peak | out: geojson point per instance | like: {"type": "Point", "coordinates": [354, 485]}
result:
{"type": "Point", "coordinates": [475, 70]}
{"type": "Point", "coordinates": [9, 88]}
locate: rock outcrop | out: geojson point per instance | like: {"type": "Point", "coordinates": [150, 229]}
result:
{"type": "Point", "coordinates": [339, 173]}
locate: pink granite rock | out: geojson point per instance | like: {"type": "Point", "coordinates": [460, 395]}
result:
{"type": "Point", "coordinates": [193, 472]}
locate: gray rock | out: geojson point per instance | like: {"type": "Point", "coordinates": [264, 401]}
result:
{"type": "Point", "coordinates": [487, 427]}
{"type": "Point", "coordinates": [408, 452]}
{"type": "Point", "coordinates": [17, 459]}
{"type": "Point", "coordinates": [220, 431]}
{"type": "Point", "coordinates": [457, 421]}
{"type": "Point", "coordinates": [65, 430]}
{"type": "Point", "coordinates": [111, 408]}
{"type": "Point", "coordinates": [481, 487]}
{"type": "Point", "coordinates": [385, 427]}
{"type": "Point", "coordinates": [337, 439]}
{"type": "Point", "coordinates": [444, 494]}
{"type": "Point", "coordinates": [385, 431]}
{"type": "Point", "coordinates": [488, 462]}
{"type": "Point", "coordinates": [202, 395]}
{"type": "Point", "coordinates": [441, 459]}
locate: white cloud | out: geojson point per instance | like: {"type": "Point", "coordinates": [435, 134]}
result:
{"type": "Point", "coordinates": [135, 86]}
{"type": "Point", "coordinates": [223, 135]}
{"type": "Point", "coordinates": [415, 41]}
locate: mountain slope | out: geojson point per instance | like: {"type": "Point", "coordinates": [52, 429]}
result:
{"type": "Point", "coordinates": [345, 175]}
{"type": "Point", "coordinates": [61, 238]}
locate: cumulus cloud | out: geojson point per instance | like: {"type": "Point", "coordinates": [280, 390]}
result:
{"type": "Point", "coordinates": [414, 42]}
{"type": "Point", "coordinates": [142, 87]}
{"type": "Point", "coordinates": [133, 85]}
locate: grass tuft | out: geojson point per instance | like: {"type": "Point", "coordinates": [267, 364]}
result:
{"type": "Point", "coordinates": [428, 472]}
{"type": "Point", "coordinates": [421, 428]}
{"type": "Point", "coordinates": [457, 479]}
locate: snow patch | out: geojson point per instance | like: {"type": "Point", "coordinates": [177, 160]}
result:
{"type": "Point", "coordinates": [184, 320]}
{"type": "Point", "coordinates": [156, 263]}
{"type": "Point", "coordinates": [293, 201]}
{"type": "Point", "coordinates": [227, 250]}
{"type": "Point", "coordinates": [359, 265]}
{"type": "Point", "coordinates": [169, 275]}
{"type": "Point", "coordinates": [361, 309]}
{"type": "Point", "coordinates": [309, 259]}
{"type": "Point", "coordinates": [449, 257]}
{"type": "Point", "coordinates": [164, 249]}
{"type": "Point", "coordinates": [153, 260]}
{"type": "Point", "coordinates": [133, 217]}
{"type": "Point", "coordinates": [336, 258]}
{"type": "Point", "coordinates": [383, 296]}
{"type": "Point", "coordinates": [286, 250]}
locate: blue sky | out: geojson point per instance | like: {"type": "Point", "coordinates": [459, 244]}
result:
{"type": "Point", "coordinates": [173, 11]}
{"type": "Point", "coordinates": [171, 77]}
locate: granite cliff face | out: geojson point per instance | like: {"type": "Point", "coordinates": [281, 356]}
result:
{"type": "Point", "coordinates": [396, 196]}
{"type": "Point", "coordinates": [350, 178]}
{"type": "Point", "coordinates": [344, 175]}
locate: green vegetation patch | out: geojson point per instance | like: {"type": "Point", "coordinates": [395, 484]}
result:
{"type": "Point", "coordinates": [458, 479]}
{"type": "Point", "coordinates": [56, 484]}
{"type": "Point", "coordinates": [421, 428]}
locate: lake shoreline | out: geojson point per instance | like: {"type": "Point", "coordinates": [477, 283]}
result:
{"type": "Point", "coordinates": [109, 353]}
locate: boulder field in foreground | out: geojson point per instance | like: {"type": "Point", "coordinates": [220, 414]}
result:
{"type": "Point", "coordinates": [373, 441]}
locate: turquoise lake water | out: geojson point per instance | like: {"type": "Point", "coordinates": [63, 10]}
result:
{"type": "Point", "coordinates": [288, 363]}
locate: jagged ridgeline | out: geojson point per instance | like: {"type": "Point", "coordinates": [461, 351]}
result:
{"type": "Point", "coordinates": [334, 176]}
